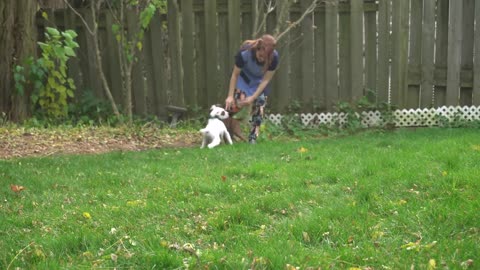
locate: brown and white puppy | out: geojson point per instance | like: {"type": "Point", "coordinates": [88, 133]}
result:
{"type": "Point", "coordinates": [215, 131]}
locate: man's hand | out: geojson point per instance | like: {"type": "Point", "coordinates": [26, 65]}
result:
{"type": "Point", "coordinates": [229, 102]}
{"type": "Point", "coordinates": [247, 101]}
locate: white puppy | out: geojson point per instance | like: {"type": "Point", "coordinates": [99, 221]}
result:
{"type": "Point", "coordinates": [215, 130]}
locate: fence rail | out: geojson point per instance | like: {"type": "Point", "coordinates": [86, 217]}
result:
{"type": "Point", "coordinates": [412, 53]}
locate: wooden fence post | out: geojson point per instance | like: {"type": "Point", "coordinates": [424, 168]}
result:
{"type": "Point", "coordinates": [187, 53]}
{"type": "Point", "coordinates": [383, 70]}
{"type": "Point", "coordinates": [454, 52]}
{"type": "Point", "coordinates": [466, 65]}
{"type": "Point", "coordinates": [114, 72]}
{"type": "Point", "coordinates": [428, 42]}
{"type": "Point", "coordinates": [211, 50]}
{"type": "Point", "coordinates": [371, 52]}
{"type": "Point", "coordinates": [331, 74]}
{"type": "Point", "coordinates": [74, 70]}
{"type": "Point", "coordinates": [234, 31]}
{"type": "Point", "coordinates": [91, 68]}
{"type": "Point", "coordinates": [281, 91]}
{"type": "Point", "coordinates": [476, 67]}
{"type": "Point", "coordinates": [344, 53]}
{"type": "Point", "coordinates": [320, 63]}
{"type": "Point", "coordinates": [412, 95]}
{"type": "Point", "coordinates": [138, 84]}
{"type": "Point", "coordinates": [307, 56]}
{"type": "Point", "coordinates": [356, 48]}
{"type": "Point", "coordinates": [441, 49]}
{"type": "Point", "coordinates": [400, 26]}
{"type": "Point", "coordinates": [159, 69]}
{"type": "Point", "coordinates": [176, 83]}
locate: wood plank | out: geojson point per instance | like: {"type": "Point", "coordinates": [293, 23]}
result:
{"type": "Point", "coordinates": [331, 77]}
{"type": "Point", "coordinates": [138, 87]}
{"type": "Point", "coordinates": [307, 65]}
{"type": "Point", "coordinates": [91, 68]}
{"type": "Point", "coordinates": [320, 64]}
{"type": "Point", "coordinates": [148, 74]}
{"type": "Point", "coordinates": [467, 33]}
{"type": "Point", "coordinates": [280, 98]}
{"type": "Point", "coordinates": [467, 50]}
{"type": "Point", "coordinates": [371, 54]}
{"type": "Point", "coordinates": [224, 60]}
{"type": "Point", "coordinates": [476, 67]}
{"type": "Point", "coordinates": [114, 73]}
{"type": "Point", "coordinates": [295, 61]}
{"type": "Point", "coordinates": [441, 41]}
{"type": "Point", "coordinates": [356, 50]}
{"type": "Point", "coordinates": [400, 27]}
{"type": "Point", "coordinates": [247, 25]}
{"type": "Point", "coordinates": [345, 68]}
{"type": "Point", "coordinates": [187, 53]}
{"type": "Point", "coordinates": [271, 22]}
{"type": "Point", "coordinates": [383, 70]}
{"type": "Point", "coordinates": [200, 62]}
{"type": "Point", "coordinates": [174, 39]}
{"type": "Point", "coordinates": [454, 52]}
{"type": "Point", "coordinates": [234, 29]}
{"type": "Point", "coordinates": [74, 70]}
{"type": "Point", "coordinates": [211, 49]}
{"type": "Point", "coordinates": [415, 52]}
{"type": "Point", "coordinates": [427, 64]}
{"type": "Point", "coordinates": [159, 71]}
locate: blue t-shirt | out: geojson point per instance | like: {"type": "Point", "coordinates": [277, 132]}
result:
{"type": "Point", "coordinates": [251, 73]}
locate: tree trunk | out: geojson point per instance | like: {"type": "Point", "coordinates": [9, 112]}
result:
{"type": "Point", "coordinates": [17, 42]}
{"type": "Point", "coordinates": [6, 53]}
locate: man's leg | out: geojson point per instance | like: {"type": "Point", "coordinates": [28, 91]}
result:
{"type": "Point", "coordinates": [257, 118]}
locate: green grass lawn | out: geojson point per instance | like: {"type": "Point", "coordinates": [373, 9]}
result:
{"type": "Point", "coordinates": [371, 201]}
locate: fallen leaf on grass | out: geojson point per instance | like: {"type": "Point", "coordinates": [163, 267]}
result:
{"type": "Point", "coordinates": [412, 246]}
{"type": "Point", "coordinates": [306, 237]}
{"type": "Point", "coordinates": [86, 215]}
{"type": "Point", "coordinates": [187, 247]}
{"type": "Point", "coordinates": [466, 264]}
{"type": "Point", "coordinates": [350, 240]}
{"type": "Point", "coordinates": [139, 203]}
{"type": "Point", "coordinates": [302, 150]}
{"type": "Point", "coordinates": [417, 246]}
{"type": "Point", "coordinates": [432, 264]}
{"type": "Point", "coordinates": [291, 267]}
{"type": "Point", "coordinates": [16, 188]}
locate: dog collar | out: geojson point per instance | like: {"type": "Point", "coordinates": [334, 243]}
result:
{"type": "Point", "coordinates": [214, 117]}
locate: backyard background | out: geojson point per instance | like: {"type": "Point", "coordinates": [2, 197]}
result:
{"type": "Point", "coordinates": [413, 54]}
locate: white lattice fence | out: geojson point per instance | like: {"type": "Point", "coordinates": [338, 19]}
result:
{"type": "Point", "coordinates": [402, 118]}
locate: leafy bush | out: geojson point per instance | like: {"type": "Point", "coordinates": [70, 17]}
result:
{"type": "Point", "coordinates": [48, 76]}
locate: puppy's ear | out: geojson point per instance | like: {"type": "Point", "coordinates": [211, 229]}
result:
{"type": "Point", "coordinates": [211, 109]}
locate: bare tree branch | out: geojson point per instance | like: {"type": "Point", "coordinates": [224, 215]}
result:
{"type": "Point", "coordinates": [80, 16]}
{"type": "Point", "coordinates": [309, 10]}
{"type": "Point", "coordinates": [270, 8]}
{"type": "Point", "coordinates": [98, 56]}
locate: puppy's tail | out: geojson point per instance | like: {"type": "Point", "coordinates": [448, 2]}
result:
{"type": "Point", "coordinates": [203, 131]}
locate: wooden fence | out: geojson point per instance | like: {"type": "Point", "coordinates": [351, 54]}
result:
{"type": "Point", "coordinates": [412, 53]}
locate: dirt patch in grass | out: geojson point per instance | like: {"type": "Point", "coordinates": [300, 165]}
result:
{"type": "Point", "coordinates": [20, 142]}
